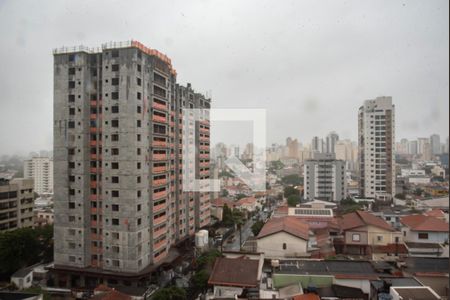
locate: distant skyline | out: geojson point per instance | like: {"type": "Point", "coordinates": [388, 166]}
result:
{"type": "Point", "coordinates": [311, 64]}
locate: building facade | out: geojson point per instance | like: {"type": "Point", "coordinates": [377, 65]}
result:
{"type": "Point", "coordinates": [376, 130]}
{"type": "Point", "coordinates": [119, 202]}
{"type": "Point", "coordinates": [16, 204]}
{"type": "Point", "coordinates": [325, 178]}
{"type": "Point", "coordinates": [40, 169]}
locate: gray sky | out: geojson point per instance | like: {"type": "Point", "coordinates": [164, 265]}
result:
{"type": "Point", "coordinates": [309, 63]}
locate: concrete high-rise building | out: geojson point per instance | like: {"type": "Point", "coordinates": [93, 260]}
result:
{"type": "Point", "coordinates": [435, 142]}
{"type": "Point", "coordinates": [40, 169]}
{"type": "Point", "coordinates": [325, 178]}
{"type": "Point", "coordinates": [347, 151]}
{"type": "Point", "coordinates": [331, 141]}
{"type": "Point", "coordinates": [119, 203]}
{"type": "Point", "coordinates": [317, 145]}
{"type": "Point", "coordinates": [421, 145]}
{"type": "Point", "coordinates": [16, 203]}
{"type": "Point", "coordinates": [413, 148]}
{"type": "Point", "coordinates": [292, 148]}
{"type": "Point", "coordinates": [376, 130]}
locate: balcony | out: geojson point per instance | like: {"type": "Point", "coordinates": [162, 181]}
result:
{"type": "Point", "coordinates": [159, 144]}
{"type": "Point", "coordinates": [159, 195]}
{"type": "Point", "coordinates": [96, 157]}
{"type": "Point", "coordinates": [159, 157]}
{"type": "Point", "coordinates": [95, 170]}
{"type": "Point", "coordinates": [95, 102]}
{"type": "Point", "coordinates": [96, 250]}
{"type": "Point", "coordinates": [159, 182]}
{"type": "Point", "coordinates": [204, 147]}
{"type": "Point", "coordinates": [160, 220]}
{"type": "Point", "coordinates": [159, 244]}
{"type": "Point", "coordinates": [159, 169]}
{"type": "Point", "coordinates": [93, 143]}
{"type": "Point", "coordinates": [159, 232]}
{"type": "Point", "coordinates": [93, 184]}
{"type": "Point", "coordinates": [159, 119]}
{"type": "Point", "coordinates": [159, 106]}
{"type": "Point", "coordinates": [96, 223]}
{"type": "Point", "coordinates": [96, 237]}
{"type": "Point", "coordinates": [203, 156]}
{"type": "Point", "coordinates": [96, 210]}
{"type": "Point", "coordinates": [95, 129]}
{"type": "Point", "coordinates": [159, 207]}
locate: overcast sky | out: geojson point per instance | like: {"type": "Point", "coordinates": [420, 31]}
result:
{"type": "Point", "coordinates": [311, 64]}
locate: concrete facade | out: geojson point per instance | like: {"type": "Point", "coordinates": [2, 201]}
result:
{"type": "Point", "coordinates": [117, 159]}
{"type": "Point", "coordinates": [16, 204]}
{"type": "Point", "coordinates": [376, 130]}
{"type": "Point", "coordinates": [40, 169]}
{"type": "Point", "coordinates": [325, 178]}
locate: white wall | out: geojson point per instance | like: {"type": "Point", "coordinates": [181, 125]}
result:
{"type": "Point", "coordinates": [272, 245]}
{"type": "Point", "coordinates": [433, 237]}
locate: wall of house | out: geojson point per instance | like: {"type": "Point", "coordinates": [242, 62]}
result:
{"type": "Point", "coordinates": [23, 282]}
{"type": "Point", "coordinates": [282, 280]}
{"type": "Point", "coordinates": [369, 235]}
{"type": "Point", "coordinates": [272, 245]}
{"type": "Point", "coordinates": [433, 237]}
{"type": "Point", "coordinates": [362, 284]}
{"type": "Point", "coordinates": [226, 291]}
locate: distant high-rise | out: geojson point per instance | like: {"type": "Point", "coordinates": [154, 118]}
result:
{"type": "Point", "coordinates": [317, 144]}
{"type": "Point", "coordinates": [16, 203]}
{"type": "Point", "coordinates": [331, 141]}
{"type": "Point", "coordinates": [376, 130]}
{"type": "Point", "coordinates": [435, 142]}
{"type": "Point", "coordinates": [413, 148]}
{"type": "Point", "coordinates": [119, 203]}
{"type": "Point", "coordinates": [325, 178]}
{"type": "Point", "coordinates": [40, 169]}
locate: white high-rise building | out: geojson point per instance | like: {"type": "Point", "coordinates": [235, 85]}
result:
{"type": "Point", "coordinates": [376, 132]}
{"type": "Point", "coordinates": [325, 178]}
{"type": "Point", "coordinates": [347, 151]}
{"type": "Point", "coordinates": [40, 169]}
{"type": "Point", "coordinates": [331, 141]}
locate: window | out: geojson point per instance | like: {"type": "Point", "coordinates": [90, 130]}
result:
{"type": "Point", "coordinates": [72, 258]}
{"type": "Point", "coordinates": [115, 221]}
{"type": "Point", "coordinates": [71, 71]}
{"type": "Point", "coordinates": [115, 123]}
{"type": "Point", "coordinates": [71, 84]}
{"type": "Point", "coordinates": [115, 68]}
{"type": "Point", "coordinates": [139, 95]}
{"type": "Point", "coordinates": [116, 263]}
{"type": "Point", "coordinates": [379, 238]}
{"type": "Point", "coordinates": [115, 165]}
{"type": "Point", "coordinates": [115, 109]}
{"type": "Point", "coordinates": [114, 81]}
{"type": "Point", "coordinates": [114, 137]}
{"type": "Point", "coordinates": [115, 179]}
{"type": "Point", "coordinates": [115, 207]}
{"type": "Point", "coordinates": [114, 151]}
{"type": "Point", "coordinates": [138, 68]}
{"type": "Point", "coordinates": [423, 236]}
{"type": "Point", "coordinates": [115, 194]}
{"type": "Point", "coordinates": [115, 95]}
{"type": "Point", "coordinates": [115, 249]}
{"type": "Point", "coordinates": [356, 237]}
{"type": "Point", "coordinates": [115, 235]}
{"type": "Point", "coordinates": [71, 124]}
{"type": "Point", "coordinates": [71, 98]}
{"type": "Point", "coordinates": [138, 123]}
{"type": "Point", "coordinates": [138, 81]}
{"type": "Point", "coordinates": [284, 246]}
{"type": "Point", "coordinates": [72, 111]}
{"type": "Point", "coordinates": [115, 53]}
{"type": "Point", "coordinates": [71, 205]}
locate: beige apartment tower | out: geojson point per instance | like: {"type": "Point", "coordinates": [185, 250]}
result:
{"type": "Point", "coordinates": [376, 139]}
{"type": "Point", "coordinates": [119, 203]}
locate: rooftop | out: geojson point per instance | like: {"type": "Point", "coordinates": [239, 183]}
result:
{"type": "Point", "coordinates": [362, 218]}
{"type": "Point", "coordinates": [424, 223]}
{"type": "Point", "coordinates": [288, 224]}
{"type": "Point", "coordinates": [427, 265]}
{"type": "Point", "coordinates": [240, 272]}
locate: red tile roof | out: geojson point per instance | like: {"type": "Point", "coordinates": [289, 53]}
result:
{"type": "Point", "coordinates": [111, 295]}
{"type": "Point", "coordinates": [246, 200]}
{"type": "Point", "coordinates": [288, 224]}
{"type": "Point", "coordinates": [307, 297]}
{"type": "Point", "coordinates": [362, 218]}
{"type": "Point", "coordinates": [435, 213]}
{"type": "Point", "coordinates": [239, 272]}
{"type": "Point", "coordinates": [424, 223]}
{"type": "Point", "coordinates": [390, 248]}
{"type": "Point", "coordinates": [220, 202]}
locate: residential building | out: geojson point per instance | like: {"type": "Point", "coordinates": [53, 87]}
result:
{"type": "Point", "coordinates": [413, 148]}
{"type": "Point", "coordinates": [248, 204]}
{"type": "Point", "coordinates": [330, 142]}
{"type": "Point", "coordinates": [435, 141]}
{"type": "Point", "coordinates": [284, 237]}
{"type": "Point", "coordinates": [347, 151]}
{"type": "Point", "coordinates": [317, 145]}
{"type": "Point", "coordinates": [362, 231]}
{"type": "Point", "coordinates": [118, 136]}
{"type": "Point", "coordinates": [424, 229]}
{"type": "Point", "coordinates": [40, 169]}
{"type": "Point", "coordinates": [325, 178]}
{"type": "Point", "coordinates": [376, 148]}
{"type": "Point", "coordinates": [16, 203]}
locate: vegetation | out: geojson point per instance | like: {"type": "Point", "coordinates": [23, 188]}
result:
{"type": "Point", "coordinates": [204, 266]}
{"type": "Point", "coordinates": [24, 247]}
{"type": "Point", "coordinates": [293, 179]}
{"type": "Point", "coordinates": [289, 190]}
{"type": "Point", "coordinates": [224, 193]}
{"type": "Point", "coordinates": [418, 192]}
{"type": "Point", "coordinates": [275, 165]}
{"type": "Point", "coordinates": [293, 200]}
{"type": "Point", "coordinates": [349, 205]}
{"type": "Point", "coordinates": [170, 293]}
{"type": "Point", "coordinates": [257, 226]}
{"type": "Point", "coordinates": [225, 174]}
{"type": "Point", "coordinates": [401, 196]}
{"type": "Point", "coordinates": [240, 196]}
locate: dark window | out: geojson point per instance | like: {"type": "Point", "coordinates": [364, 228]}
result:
{"type": "Point", "coordinates": [115, 81]}
{"type": "Point", "coordinates": [138, 81]}
{"type": "Point", "coordinates": [423, 236]}
{"type": "Point", "coordinates": [71, 205]}
{"type": "Point", "coordinates": [71, 71]}
{"type": "Point", "coordinates": [115, 194]}
{"type": "Point", "coordinates": [71, 98]}
{"type": "Point", "coordinates": [114, 151]}
{"type": "Point", "coordinates": [115, 207]}
{"type": "Point", "coordinates": [284, 246]}
{"type": "Point", "coordinates": [139, 95]}
{"type": "Point", "coordinates": [115, 165]}
{"type": "Point", "coordinates": [115, 68]}
{"type": "Point", "coordinates": [115, 221]}
{"type": "Point", "coordinates": [114, 109]}
{"type": "Point", "coordinates": [72, 111]}
{"type": "Point", "coordinates": [71, 84]}
{"type": "Point", "coordinates": [114, 137]}
{"type": "Point", "coordinates": [115, 179]}
{"type": "Point", "coordinates": [115, 123]}
{"type": "Point", "coordinates": [115, 53]}
{"type": "Point", "coordinates": [115, 95]}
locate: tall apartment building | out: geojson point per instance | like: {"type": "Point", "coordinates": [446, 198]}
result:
{"type": "Point", "coordinates": [317, 145]}
{"type": "Point", "coordinates": [347, 151]}
{"type": "Point", "coordinates": [16, 203]}
{"type": "Point", "coordinates": [435, 142]}
{"type": "Point", "coordinates": [330, 142]}
{"type": "Point", "coordinates": [119, 203]}
{"type": "Point", "coordinates": [40, 169]}
{"type": "Point", "coordinates": [325, 178]}
{"type": "Point", "coordinates": [376, 130]}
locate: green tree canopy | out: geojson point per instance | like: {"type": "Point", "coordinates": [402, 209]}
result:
{"type": "Point", "coordinates": [293, 200]}
{"type": "Point", "coordinates": [170, 293]}
{"type": "Point", "coordinates": [257, 226]}
{"type": "Point", "coordinates": [289, 190]}
{"type": "Point", "coordinates": [293, 179]}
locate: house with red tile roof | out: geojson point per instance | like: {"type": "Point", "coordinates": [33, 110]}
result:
{"type": "Point", "coordinates": [248, 203]}
{"type": "Point", "coordinates": [362, 230]}
{"type": "Point", "coordinates": [424, 229]}
{"type": "Point", "coordinates": [218, 204]}
{"type": "Point", "coordinates": [284, 237]}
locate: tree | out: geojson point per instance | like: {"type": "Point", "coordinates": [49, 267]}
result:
{"type": "Point", "coordinates": [293, 200]}
{"type": "Point", "coordinates": [292, 179]}
{"type": "Point", "coordinates": [224, 193]}
{"type": "Point", "coordinates": [418, 192]}
{"type": "Point", "coordinates": [400, 196]}
{"type": "Point", "coordinates": [227, 216]}
{"type": "Point", "coordinates": [240, 196]}
{"type": "Point", "coordinates": [257, 226]}
{"type": "Point", "coordinates": [289, 190]}
{"type": "Point", "coordinates": [170, 293]}
{"type": "Point", "coordinates": [200, 280]}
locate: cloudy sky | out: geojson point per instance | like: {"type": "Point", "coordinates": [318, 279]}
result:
{"type": "Point", "coordinates": [309, 63]}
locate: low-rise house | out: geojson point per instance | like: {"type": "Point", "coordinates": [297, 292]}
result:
{"type": "Point", "coordinates": [232, 277]}
{"type": "Point", "coordinates": [361, 231]}
{"type": "Point", "coordinates": [23, 278]}
{"type": "Point", "coordinates": [248, 204]}
{"type": "Point", "coordinates": [424, 229]}
{"type": "Point", "coordinates": [284, 237]}
{"type": "Point", "coordinates": [413, 292]}
{"type": "Point", "coordinates": [217, 206]}
{"type": "Point", "coordinates": [381, 287]}
{"type": "Point", "coordinates": [436, 190]}
{"type": "Point", "coordinates": [389, 252]}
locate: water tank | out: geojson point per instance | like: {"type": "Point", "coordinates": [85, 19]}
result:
{"type": "Point", "coordinates": [199, 240]}
{"type": "Point", "coordinates": [205, 235]}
